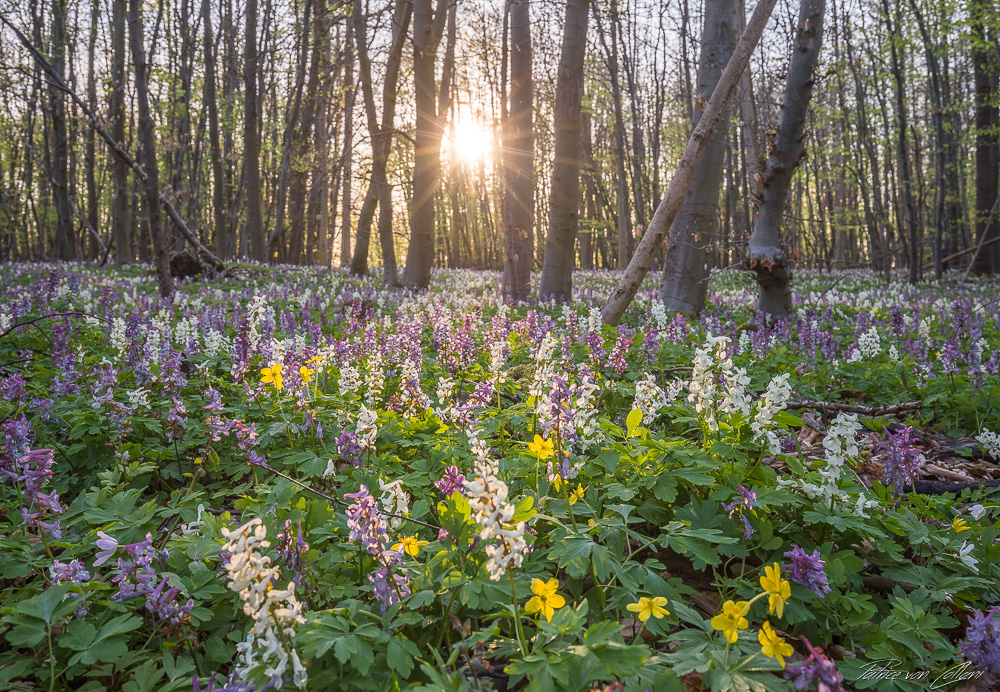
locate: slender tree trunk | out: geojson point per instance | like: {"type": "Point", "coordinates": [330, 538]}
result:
{"type": "Point", "coordinates": [564, 191]}
{"type": "Point", "coordinates": [350, 94]}
{"type": "Point", "coordinates": [255, 233]}
{"type": "Point", "coordinates": [685, 274]}
{"type": "Point", "coordinates": [766, 253]}
{"type": "Point", "coordinates": [986, 67]}
{"type": "Point", "coordinates": [701, 137]}
{"type": "Point", "coordinates": [219, 202]}
{"type": "Point", "coordinates": [902, 150]}
{"type": "Point", "coordinates": [379, 191]}
{"type": "Point", "coordinates": [519, 200]}
{"type": "Point", "coordinates": [427, 29]}
{"type": "Point", "coordinates": [93, 200]}
{"type": "Point", "coordinates": [63, 243]}
{"type": "Point", "coordinates": [147, 146]}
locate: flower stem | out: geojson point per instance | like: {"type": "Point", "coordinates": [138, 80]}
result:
{"type": "Point", "coordinates": [517, 616]}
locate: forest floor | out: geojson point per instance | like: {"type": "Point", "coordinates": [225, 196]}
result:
{"type": "Point", "coordinates": [299, 479]}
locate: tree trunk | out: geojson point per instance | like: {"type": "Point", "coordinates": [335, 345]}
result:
{"type": "Point", "coordinates": [251, 141]}
{"type": "Point", "coordinates": [519, 193]}
{"type": "Point", "coordinates": [564, 193]}
{"type": "Point", "coordinates": [685, 273]}
{"type": "Point", "coordinates": [147, 146]}
{"type": "Point", "coordinates": [427, 29]}
{"type": "Point", "coordinates": [766, 254]}
{"type": "Point", "coordinates": [986, 67]}
{"type": "Point", "coordinates": [63, 246]}
{"type": "Point", "coordinates": [219, 200]}
{"type": "Point", "coordinates": [350, 95]}
{"type": "Point", "coordinates": [379, 190]}
{"type": "Point", "coordinates": [93, 201]}
{"type": "Point", "coordinates": [701, 138]}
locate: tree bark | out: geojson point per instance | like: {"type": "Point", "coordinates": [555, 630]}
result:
{"type": "Point", "coordinates": [564, 193]}
{"type": "Point", "coordinates": [767, 256]}
{"type": "Point", "coordinates": [64, 246]}
{"type": "Point", "coordinates": [518, 153]}
{"type": "Point", "coordinates": [702, 135]}
{"type": "Point", "coordinates": [255, 233]}
{"type": "Point", "coordinates": [350, 95]}
{"type": "Point", "coordinates": [379, 191]}
{"type": "Point", "coordinates": [685, 274]}
{"type": "Point", "coordinates": [93, 201]}
{"type": "Point", "coordinates": [986, 68]}
{"type": "Point", "coordinates": [219, 201]}
{"type": "Point", "coordinates": [428, 26]}
{"type": "Point", "coordinates": [147, 145]}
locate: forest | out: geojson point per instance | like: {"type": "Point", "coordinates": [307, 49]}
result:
{"type": "Point", "coordinates": [495, 345]}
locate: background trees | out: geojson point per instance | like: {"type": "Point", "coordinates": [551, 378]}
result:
{"type": "Point", "coordinates": [284, 130]}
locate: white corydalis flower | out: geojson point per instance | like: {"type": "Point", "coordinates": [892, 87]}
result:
{"type": "Point", "coordinates": [990, 442]}
{"type": "Point", "coordinates": [366, 429]}
{"type": "Point", "coordinates": [394, 500]}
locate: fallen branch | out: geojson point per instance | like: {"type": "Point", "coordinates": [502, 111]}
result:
{"type": "Point", "coordinates": [870, 411]}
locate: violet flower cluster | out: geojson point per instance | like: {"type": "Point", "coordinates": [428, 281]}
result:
{"type": "Point", "coordinates": [808, 570]}
{"type": "Point", "coordinates": [369, 528]}
{"type": "Point", "coordinates": [982, 642]}
{"type": "Point", "coordinates": [817, 672]}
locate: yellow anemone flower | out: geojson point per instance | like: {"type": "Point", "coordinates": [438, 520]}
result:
{"type": "Point", "coordinates": [778, 589]}
{"type": "Point", "coordinates": [410, 545]}
{"type": "Point", "coordinates": [306, 374]}
{"type": "Point", "coordinates": [772, 645]}
{"type": "Point", "coordinates": [960, 525]}
{"type": "Point", "coordinates": [730, 621]}
{"type": "Point", "coordinates": [545, 600]}
{"type": "Point", "coordinates": [649, 607]}
{"type": "Point", "coordinates": [576, 494]}
{"type": "Point", "coordinates": [272, 375]}
{"type": "Point", "coordinates": [543, 448]}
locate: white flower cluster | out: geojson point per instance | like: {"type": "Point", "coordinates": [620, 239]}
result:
{"type": "Point", "coordinates": [274, 611]}
{"type": "Point", "coordinates": [214, 343]}
{"type": "Point", "coordinates": [411, 394]}
{"type": "Point", "coordinates": [257, 312]}
{"type": "Point", "coordinates": [840, 443]}
{"type": "Point", "coordinates": [650, 397]}
{"type": "Point", "coordinates": [703, 386]}
{"type": "Point", "coordinates": [869, 346]}
{"type": "Point", "coordinates": [659, 315]}
{"type": "Point", "coordinates": [117, 336]}
{"type": "Point", "coordinates": [775, 397]}
{"type": "Point", "coordinates": [498, 358]}
{"type": "Point", "coordinates": [394, 500]}
{"type": "Point", "coordinates": [139, 398]}
{"type": "Point", "coordinates": [488, 499]}
{"type": "Point", "coordinates": [585, 412]}
{"type": "Point", "coordinates": [541, 385]}
{"type": "Point", "coordinates": [736, 399]}
{"type": "Point", "coordinates": [374, 380]}
{"type": "Point", "coordinates": [366, 429]}
{"type": "Point", "coordinates": [444, 392]}
{"type": "Point", "coordinates": [349, 381]}
{"type": "Point", "coordinates": [6, 321]}
{"type": "Point", "coordinates": [991, 443]}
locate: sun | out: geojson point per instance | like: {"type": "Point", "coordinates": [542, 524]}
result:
{"type": "Point", "coordinates": [471, 142]}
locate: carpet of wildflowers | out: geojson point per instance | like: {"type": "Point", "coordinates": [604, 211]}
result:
{"type": "Point", "coordinates": [295, 479]}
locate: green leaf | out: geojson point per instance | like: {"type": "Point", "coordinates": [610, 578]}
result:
{"type": "Point", "coordinates": [633, 421]}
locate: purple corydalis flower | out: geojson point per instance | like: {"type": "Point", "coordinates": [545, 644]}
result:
{"type": "Point", "coordinates": [745, 502]}
{"type": "Point", "coordinates": [817, 671]}
{"type": "Point", "coordinates": [451, 482]}
{"type": "Point", "coordinates": [982, 641]}
{"type": "Point", "coordinates": [74, 572]}
{"type": "Point", "coordinates": [901, 461]}
{"type": "Point", "coordinates": [808, 570]}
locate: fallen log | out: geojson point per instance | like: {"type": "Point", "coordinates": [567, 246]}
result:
{"type": "Point", "coordinates": [870, 411]}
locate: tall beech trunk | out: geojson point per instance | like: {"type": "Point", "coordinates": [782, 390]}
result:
{"type": "Point", "coordinates": [64, 245]}
{"type": "Point", "coordinates": [519, 150]}
{"type": "Point", "coordinates": [93, 200]}
{"type": "Point", "coordinates": [379, 191]}
{"type": "Point", "coordinates": [428, 26]}
{"type": "Point", "coordinates": [255, 234]}
{"type": "Point", "coordinates": [902, 151]}
{"type": "Point", "coordinates": [350, 95]}
{"type": "Point", "coordinates": [685, 273]}
{"type": "Point", "coordinates": [701, 137]}
{"type": "Point", "coordinates": [147, 151]}
{"type": "Point", "coordinates": [219, 200]}
{"type": "Point", "coordinates": [766, 254]}
{"type": "Point", "coordinates": [564, 192]}
{"type": "Point", "coordinates": [986, 68]}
